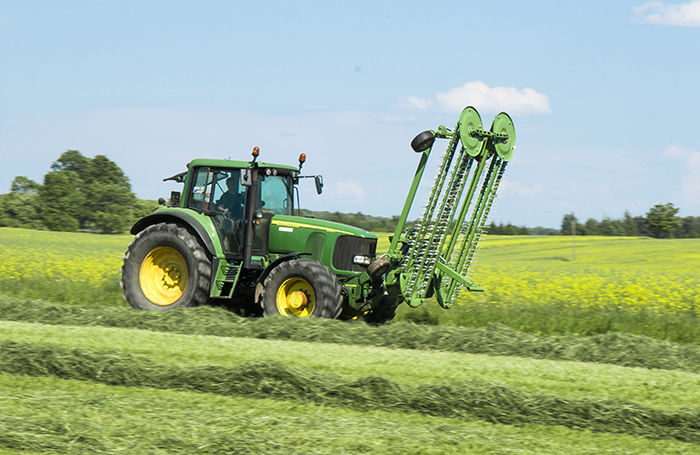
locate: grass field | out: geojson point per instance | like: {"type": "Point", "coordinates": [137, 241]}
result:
{"type": "Point", "coordinates": [80, 372]}
{"type": "Point", "coordinates": [111, 389]}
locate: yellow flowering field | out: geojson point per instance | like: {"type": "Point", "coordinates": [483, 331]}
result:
{"type": "Point", "coordinates": [44, 255]}
{"type": "Point", "coordinates": [589, 272]}
{"type": "Point", "coordinates": [64, 267]}
{"type": "Point", "coordinates": [627, 273]}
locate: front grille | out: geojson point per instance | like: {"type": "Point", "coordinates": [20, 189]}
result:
{"type": "Point", "coordinates": [347, 247]}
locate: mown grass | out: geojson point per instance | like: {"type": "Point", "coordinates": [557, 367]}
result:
{"type": "Point", "coordinates": [50, 415]}
{"type": "Point", "coordinates": [534, 284]}
{"type": "Point", "coordinates": [653, 388]}
{"type": "Point", "coordinates": [264, 378]}
{"type": "Point", "coordinates": [613, 348]}
{"type": "Point", "coordinates": [281, 379]}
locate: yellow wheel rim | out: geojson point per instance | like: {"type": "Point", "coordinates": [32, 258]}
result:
{"type": "Point", "coordinates": [163, 276]}
{"type": "Point", "coordinates": [296, 297]}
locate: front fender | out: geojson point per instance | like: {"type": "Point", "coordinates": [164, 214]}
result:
{"type": "Point", "coordinates": [268, 269]}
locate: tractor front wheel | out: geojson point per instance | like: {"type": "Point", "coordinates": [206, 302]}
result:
{"type": "Point", "coordinates": [301, 288]}
{"type": "Point", "coordinates": [165, 267]}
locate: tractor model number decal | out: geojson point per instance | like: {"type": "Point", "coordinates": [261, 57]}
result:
{"type": "Point", "coordinates": [285, 229]}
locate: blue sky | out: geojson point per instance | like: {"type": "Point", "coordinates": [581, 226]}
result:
{"type": "Point", "coordinates": [605, 95]}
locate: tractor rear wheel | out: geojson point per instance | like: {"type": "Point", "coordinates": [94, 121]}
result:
{"type": "Point", "coordinates": [302, 288]}
{"type": "Point", "coordinates": [165, 267]}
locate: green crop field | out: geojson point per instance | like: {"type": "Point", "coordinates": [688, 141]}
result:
{"type": "Point", "coordinates": [537, 284]}
{"type": "Point", "coordinates": [590, 348]}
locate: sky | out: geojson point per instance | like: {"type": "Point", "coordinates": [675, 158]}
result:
{"type": "Point", "coordinates": [605, 96]}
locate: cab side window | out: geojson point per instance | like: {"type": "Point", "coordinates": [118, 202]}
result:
{"type": "Point", "coordinates": [201, 190]}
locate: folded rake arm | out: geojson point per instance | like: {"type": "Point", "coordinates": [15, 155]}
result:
{"type": "Point", "coordinates": [439, 249]}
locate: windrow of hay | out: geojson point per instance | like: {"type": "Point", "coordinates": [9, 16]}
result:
{"type": "Point", "coordinates": [53, 436]}
{"type": "Point", "coordinates": [612, 348]}
{"type": "Point", "coordinates": [486, 401]}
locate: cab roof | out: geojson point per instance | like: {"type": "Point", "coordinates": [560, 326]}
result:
{"type": "Point", "coordinates": [236, 164]}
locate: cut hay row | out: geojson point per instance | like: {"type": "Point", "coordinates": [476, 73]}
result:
{"type": "Point", "coordinates": [649, 387]}
{"type": "Point", "coordinates": [51, 415]}
{"type": "Point", "coordinates": [265, 379]}
{"type": "Point", "coordinates": [612, 348]}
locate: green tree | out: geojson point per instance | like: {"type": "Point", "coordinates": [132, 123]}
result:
{"type": "Point", "coordinates": [144, 207]}
{"type": "Point", "coordinates": [566, 223]}
{"type": "Point", "coordinates": [629, 225]}
{"type": "Point", "coordinates": [640, 222]}
{"type": "Point", "coordinates": [610, 227]}
{"type": "Point", "coordinates": [72, 160]}
{"type": "Point", "coordinates": [661, 220]}
{"type": "Point", "coordinates": [19, 207]}
{"type": "Point", "coordinates": [24, 185]}
{"type": "Point", "coordinates": [690, 228]}
{"type": "Point", "coordinates": [20, 210]}
{"type": "Point", "coordinates": [61, 200]}
{"type": "Point", "coordinates": [111, 208]}
{"type": "Point", "coordinates": [100, 192]}
{"type": "Point", "coordinates": [592, 227]}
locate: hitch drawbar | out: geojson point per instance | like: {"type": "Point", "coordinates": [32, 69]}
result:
{"type": "Point", "coordinates": [438, 250]}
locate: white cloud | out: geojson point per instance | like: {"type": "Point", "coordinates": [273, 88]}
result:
{"type": "Point", "coordinates": [349, 189]}
{"type": "Point", "coordinates": [691, 181]}
{"type": "Point", "coordinates": [413, 102]}
{"type": "Point", "coordinates": [674, 14]}
{"type": "Point", "coordinates": [525, 101]}
{"type": "Point", "coordinates": [493, 99]}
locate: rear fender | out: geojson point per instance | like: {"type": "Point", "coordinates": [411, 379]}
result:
{"type": "Point", "coordinates": [206, 234]}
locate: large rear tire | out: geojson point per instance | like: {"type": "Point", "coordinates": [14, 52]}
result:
{"type": "Point", "coordinates": [165, 267]}
{"type": "Point", "coordinates": [302, 288]}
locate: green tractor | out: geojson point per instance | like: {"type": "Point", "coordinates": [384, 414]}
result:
{"type": "Point", "coordinates": [232, 234]}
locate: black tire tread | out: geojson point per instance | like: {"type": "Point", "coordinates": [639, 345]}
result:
{"type": "Point", "coordinates": [329, 297]}
{"type": "Point", "coordinates": [179, 234]}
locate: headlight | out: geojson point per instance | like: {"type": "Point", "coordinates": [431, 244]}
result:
{"type": "Point", "coordinates": [361, 260]}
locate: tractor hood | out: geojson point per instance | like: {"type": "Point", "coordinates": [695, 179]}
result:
{"type": "Point", "coordinates": [331, 243]}
{"type": "Point", "coordinates": [292, 223]}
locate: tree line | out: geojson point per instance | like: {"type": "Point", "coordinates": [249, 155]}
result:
{"type": "Point", "coordinates": [94, 194]}
{"type": "Point", "coordinates": [78, 193]}
{"type": "Point", "coordinates": [660, 221]}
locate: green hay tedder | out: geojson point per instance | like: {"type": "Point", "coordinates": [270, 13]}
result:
{"type": "Point", "coordinates": [232, 234]}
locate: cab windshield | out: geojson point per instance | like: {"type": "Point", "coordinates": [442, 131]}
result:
{"type": "Point", "coordinates": [275, 194]}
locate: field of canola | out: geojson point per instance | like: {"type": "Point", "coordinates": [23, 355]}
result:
{"type": "Point", "coordinates": [624, 274]}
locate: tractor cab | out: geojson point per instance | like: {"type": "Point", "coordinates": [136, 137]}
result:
{"type": "Point", "coordinates": [241, 198]}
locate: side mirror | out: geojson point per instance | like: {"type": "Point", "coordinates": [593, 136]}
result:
{"type": "Point", "coordinates": [318, 180]}
{"type": "Point", "coordinates": [246, 179]}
